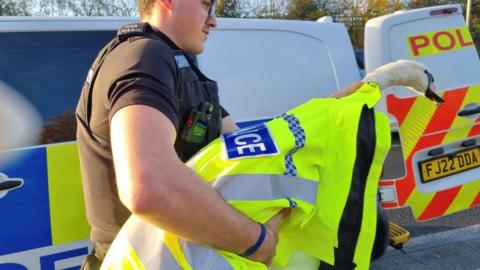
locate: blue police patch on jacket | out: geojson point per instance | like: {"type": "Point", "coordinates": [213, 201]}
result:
{"type": "Point", "coordinates": [252, 141]}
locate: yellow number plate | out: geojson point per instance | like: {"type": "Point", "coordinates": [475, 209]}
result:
{"type": "Point", "coordinates": [446, 165]}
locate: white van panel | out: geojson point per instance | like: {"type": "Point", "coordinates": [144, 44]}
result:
{"type": "Point", "coordinates": [386, 41]}
{"type": "Point", "coordinates": [257, 75]}
{"type": "Point", "coordinates": [43, 24]}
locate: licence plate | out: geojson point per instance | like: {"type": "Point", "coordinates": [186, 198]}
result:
{"type": "Point", "coordinates": [449, 164]}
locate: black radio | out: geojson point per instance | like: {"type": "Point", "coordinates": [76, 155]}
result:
{"type": "Point", "coordinates": [197, 123]}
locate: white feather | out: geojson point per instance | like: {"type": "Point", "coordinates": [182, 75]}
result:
{"type": "Point", "coordinates": [402, 72]}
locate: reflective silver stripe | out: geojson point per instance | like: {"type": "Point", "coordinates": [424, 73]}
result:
{"type": "Point", "coordinates": [299, 134]}
{"type": "Point", "coordinates": [200, 257]}
{"type": "Point", "coordinates": [147, 240]}
{"type": "Point", "coordinates": [257, 187]}
{"type": "Point", "coordinates": [148, 244]}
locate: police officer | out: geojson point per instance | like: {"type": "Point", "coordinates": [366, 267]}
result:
{"type": "Point", "coordinates": [145, 108]}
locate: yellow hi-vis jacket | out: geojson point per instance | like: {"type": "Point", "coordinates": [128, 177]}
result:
{"type": "Point", "coordinates": [323, 157]}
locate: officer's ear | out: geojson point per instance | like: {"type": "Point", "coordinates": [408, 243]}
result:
{"type": "Point", "coordinates": [167, 4]}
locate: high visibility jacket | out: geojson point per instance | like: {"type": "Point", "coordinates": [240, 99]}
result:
{"type": "Point", "coordinates": [323, 157]}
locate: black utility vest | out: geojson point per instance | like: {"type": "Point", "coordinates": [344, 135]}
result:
{"type": "Point", "coordinates": [192, 88]}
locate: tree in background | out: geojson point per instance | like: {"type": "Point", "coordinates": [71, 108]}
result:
{"type": "Point", "coordinates": [306, 9]}
{"type": "Point", "coordinates": [273, 9]}
{"type": "Point", "coordinates": [475, 23]}
{"type": "Point", "coordinates": [82, 8]}
{"type": "Point", "coordinates": [377, 8]}
{"type": "Point", "coordinates": [475, 30]}
{"type": "Point", "coordinates": [14, 8]}
{"type": "Point", "coordinates": [229, 9]}
{"type": "Point", "coordinates": [353, 13]}
{"type": "Point", "coordinates": [91, 7]}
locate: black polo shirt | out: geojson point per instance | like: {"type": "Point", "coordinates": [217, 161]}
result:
{"type": "Point", "coordinates": [142, 71]}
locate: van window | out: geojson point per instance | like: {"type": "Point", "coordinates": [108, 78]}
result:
{"type": "Point", "coordinates": [49, 68]}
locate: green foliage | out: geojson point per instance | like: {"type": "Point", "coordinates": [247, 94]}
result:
{"type": "Point", "coordinates": [229, 9]}
{"type": "Point", "coordinates": [14, 8]}
{"type": "Point", "coordinates": [272, 9]}
{"type": "Point", "coordinates": [475, 30]}
{"type": "Point", "coordinates": [353, 13]}
{"type": "Point", "coordinates": [306, 9]}
{"type": "Point", "coordinates": [88, 8]}
{"type": "Point", "coordinates": [68, 7]}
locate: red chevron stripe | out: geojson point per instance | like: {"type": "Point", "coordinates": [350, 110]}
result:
{"type": "Point", "coordinates": [476, 201]}
{"type": "Point", "coordinates": [443, 199]}
{"type": "Point", "coordinates": [399, 107]}
{"type": "Point", "coordinates": [407, 184]}
{"type": "Point", "coordinates": [440, 203]}
{"type": "Point", "coordinates": [446, 114]}
{"type": "Point", "coordinates": [476, 129]}
{"type": "Point", "coordinates": [442, 119]}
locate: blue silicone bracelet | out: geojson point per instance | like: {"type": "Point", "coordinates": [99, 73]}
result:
{"type": "Point", "coordinates": [257, 244]}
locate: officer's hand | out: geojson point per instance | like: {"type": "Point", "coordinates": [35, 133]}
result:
{"type": "Point", "coordinates": [266, 252]}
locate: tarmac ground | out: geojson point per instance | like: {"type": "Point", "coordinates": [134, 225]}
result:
{"type": "Point", "coordinates": [457, 249]}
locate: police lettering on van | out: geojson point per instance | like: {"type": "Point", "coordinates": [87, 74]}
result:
{"type": "Point", "coordinates": [439, 42]}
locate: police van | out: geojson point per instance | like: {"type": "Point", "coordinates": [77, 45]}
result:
{"type": "Point", "coordinates": [263, 68]}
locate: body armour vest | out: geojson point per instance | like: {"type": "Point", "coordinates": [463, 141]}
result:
{"type": "Point", "coordinates": [105, 212]}
{"type": "Point", "coordinates": [323, 159]}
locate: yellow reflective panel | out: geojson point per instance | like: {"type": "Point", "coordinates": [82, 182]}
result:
{"type": "Point", "coordinates": [173, 243]}
{"type": "Point", "coordinates": [465, 197]}
{"type": "Point", "coordinates": [415, 123]}
{"type": "Point", "coordinates": [461, 125]}
{"type": "Point", "coordinates": [367, 234]}
{"type": "Point", "coordinates": [419, 201]}
{"type": "Point", "coordinates": [67, 209]}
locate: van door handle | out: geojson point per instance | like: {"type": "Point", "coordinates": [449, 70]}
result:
{"type": "Point", "coordinates": [10, 184]}
{"type": "Point", "coordinates": [469, 111]}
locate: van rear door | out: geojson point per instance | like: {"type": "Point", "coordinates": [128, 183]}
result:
{"type": "Point", "coordinates": [441, 145]}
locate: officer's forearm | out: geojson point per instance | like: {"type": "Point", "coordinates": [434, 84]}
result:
{"type": "Point", "coordinates": [184, 204]}
{"type": "Point", "coordinates": [153, 183]}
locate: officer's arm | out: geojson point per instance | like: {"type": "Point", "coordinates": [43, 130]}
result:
{"type": "Point", "coordinates": [347, 90]}
{"type": "Point", "coordinates": [228, 125]}
{"type": "Point", "coordinates": [154, 184]}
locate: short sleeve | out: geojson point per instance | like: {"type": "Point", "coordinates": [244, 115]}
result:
{"type": "Point", "coordinates": [144, 91]}
{"type": "Point", "coordinates": [146, 76]}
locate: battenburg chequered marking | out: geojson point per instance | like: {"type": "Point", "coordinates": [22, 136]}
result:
{"type": "Point", "coordinates": [299, 134]}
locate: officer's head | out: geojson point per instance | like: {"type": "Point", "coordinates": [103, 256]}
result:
{"type": "Point", "coordinates": [186, 22]}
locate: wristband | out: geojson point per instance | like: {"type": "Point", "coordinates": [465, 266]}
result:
{"type": "Point", "coordinates": [257, 244]}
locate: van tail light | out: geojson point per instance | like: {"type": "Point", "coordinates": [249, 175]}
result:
{"type": "Point", "coordinates": [443, 11]}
